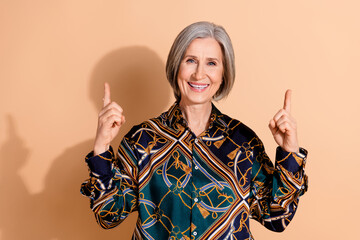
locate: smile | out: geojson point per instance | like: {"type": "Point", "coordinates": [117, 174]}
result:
{"type": "Point", "coordinates": [198, 86]}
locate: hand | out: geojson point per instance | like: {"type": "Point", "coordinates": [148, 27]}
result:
{"type": "Point", "coordinates": [109, 122]}
{"type": "Point", "coordinates": [283, 127]}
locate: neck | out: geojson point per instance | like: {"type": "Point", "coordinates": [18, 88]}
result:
{"type": "Point", "coordinates": [197, 116]}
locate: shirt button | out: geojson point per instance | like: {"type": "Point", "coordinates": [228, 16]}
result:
{"type": "Point", "coordinates": [196, 167]}
{"type": "Point", "coordinates": [194, 233]}
{"type": "Point", "coordinates": [196, 200]}
{"type": "Point", "coordinates": [196, 140]}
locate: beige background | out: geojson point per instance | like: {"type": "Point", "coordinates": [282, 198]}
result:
{"type": "Point", "coordinates": [55, 55]}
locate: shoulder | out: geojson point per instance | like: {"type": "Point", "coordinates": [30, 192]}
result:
{"type": "Point", "coordinates": [240, 132]}
{"type": "Point", "coordinates": [147, 129]}
{"type": "Point", "coordinates": [237, 126]}
{"type": "Point", "coordinates": [232, 126]}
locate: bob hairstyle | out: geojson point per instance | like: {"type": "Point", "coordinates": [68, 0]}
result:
{"type": "Point", "coordinates": [180, 45]}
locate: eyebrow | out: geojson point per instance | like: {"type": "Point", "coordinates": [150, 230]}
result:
{"type": "Point", "coordinates": [210, 58]}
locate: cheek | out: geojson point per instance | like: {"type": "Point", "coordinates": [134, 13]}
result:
{"type": "Point", "coordinates": [181, 75]}
{"type": "Point", "coordinates": [181, 84]}
{"type": "Point", "coordinates": [184, 72]}
{"type": "Point", "coordinates": [217, 77]}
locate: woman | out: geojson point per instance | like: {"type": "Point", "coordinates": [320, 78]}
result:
{"type": "Point", "coordinates": [193, 172]}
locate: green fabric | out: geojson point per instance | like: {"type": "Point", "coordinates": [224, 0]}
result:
{"type": "Point", "coordinates": [188, 187]}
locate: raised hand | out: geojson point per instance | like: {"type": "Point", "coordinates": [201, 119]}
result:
{"type": "Point", "coordinates": [283, 127]}
{"type": "Point", "coordinates": [109, 122]}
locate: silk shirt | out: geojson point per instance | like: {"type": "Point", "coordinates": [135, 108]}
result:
{"type": "Point", "coordinates": [189, 187]}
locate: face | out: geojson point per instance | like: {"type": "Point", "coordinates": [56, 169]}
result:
{"type": "Point", "coordinates": [200, 72]}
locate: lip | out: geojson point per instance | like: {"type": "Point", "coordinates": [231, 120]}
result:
{"type": "Point", "coordinates": [198, 87]}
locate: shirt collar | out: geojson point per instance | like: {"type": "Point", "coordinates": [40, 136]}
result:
{"type": "Point", "coordinates": [174, 117]}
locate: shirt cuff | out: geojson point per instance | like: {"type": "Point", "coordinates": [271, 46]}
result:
{"type": "Point", "coordinates": [291, 161]}
{"type": "Point", "coordinates": [100, 164]}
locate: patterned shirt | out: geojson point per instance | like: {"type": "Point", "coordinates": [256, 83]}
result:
{"type": "Point", "coordinates": [188, 187]}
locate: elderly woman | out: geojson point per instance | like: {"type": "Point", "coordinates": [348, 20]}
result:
{"type": "Point", "coordinates": [193, 172]}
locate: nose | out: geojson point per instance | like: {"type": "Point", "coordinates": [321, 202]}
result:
{"type": "Point", "coordinates": [199, 72]}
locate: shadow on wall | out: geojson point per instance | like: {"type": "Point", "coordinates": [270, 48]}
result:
{"type": "Point", "coordinates": [137, 79]}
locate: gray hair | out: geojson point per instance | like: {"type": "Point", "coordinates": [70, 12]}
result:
{"type": "Point", "coordinates": [180, 45]}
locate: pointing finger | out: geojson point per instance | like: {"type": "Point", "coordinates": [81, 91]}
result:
{"type": "Point", "coordinates": [106, 99]}
{"type": "Point", "coordinates": [287, 101]}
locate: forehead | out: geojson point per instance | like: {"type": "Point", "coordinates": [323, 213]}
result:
{"type": "Point", "coordinates": [206, 47]}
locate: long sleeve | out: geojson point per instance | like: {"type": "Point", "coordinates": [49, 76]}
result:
{"type": "Point", "coordinates": [112, 186]}
{"type": "Point", "coordinates": [275, 191]}
{"type": "Point", "coordinates": [185, 186]}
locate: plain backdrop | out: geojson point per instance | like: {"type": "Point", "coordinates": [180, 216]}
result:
{"type": "Point", "coordinates": [56, 55]}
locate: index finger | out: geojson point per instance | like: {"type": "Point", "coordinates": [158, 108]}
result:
{"type": "Point", "coordinates": [106, 99]}
{"type": "Point", "coordinates": [287, 101]}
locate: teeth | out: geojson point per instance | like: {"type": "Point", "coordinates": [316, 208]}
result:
{"type": "Point", "coordinates": [198, 86]}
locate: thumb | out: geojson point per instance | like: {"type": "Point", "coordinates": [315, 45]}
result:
{"type": "Point", "coordinates": [106, 98]}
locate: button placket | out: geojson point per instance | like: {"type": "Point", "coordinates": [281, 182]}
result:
{"type": "Point", "coordinates": [194, 194]}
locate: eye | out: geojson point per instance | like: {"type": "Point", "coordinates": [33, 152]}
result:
{"type": "Point", "coordinates": [212, 63]}
{"type": "Point", "coordinates": [190, 60]}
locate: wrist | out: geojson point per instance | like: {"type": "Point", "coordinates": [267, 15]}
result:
{"type": "Point", "coordinates": [98, 149]}
{"type": "Point", "coordinates": [291, 149]}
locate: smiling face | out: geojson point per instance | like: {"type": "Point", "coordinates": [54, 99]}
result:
{"type": "Point", "coordinates": [200, 72]}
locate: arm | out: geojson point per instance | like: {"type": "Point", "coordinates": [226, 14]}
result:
{"type": "Point", "coordinates": [275, 191]}
{"type": "Point", "coordinates": [112, 188]}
